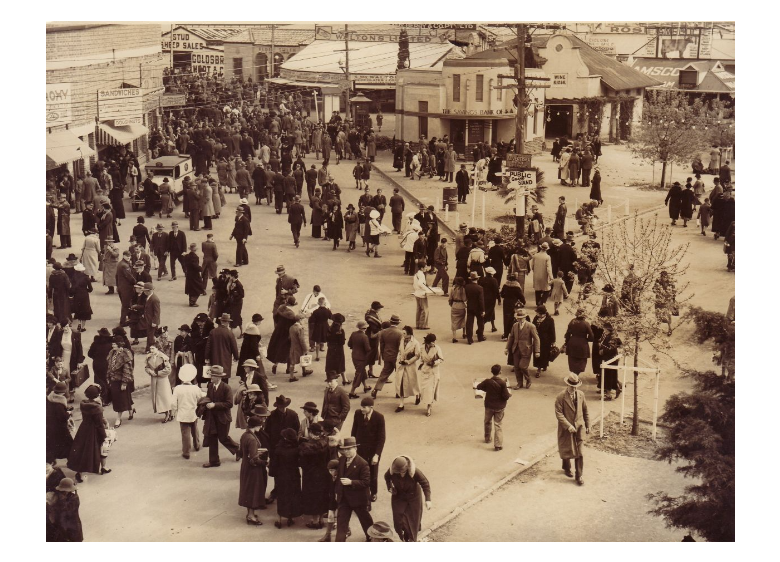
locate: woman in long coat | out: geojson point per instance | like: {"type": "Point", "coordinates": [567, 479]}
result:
{"type": "Point", "coordinates": [89, 254]}
{"type": "Point", "coordinates": [371, 146]}
{"type": "Point", "coordinates": [80, 289]}
{"type": "Point", "coordinates": [158, 367]}
{"type": "Point", "coordinates": [577, 338]}
{"type": "Point", "coordinates": [431, 357]}
{"type": "Point", "coordinates": [513, 296]}
{"type": "Point", "coordinates": [595, 187]}
{"type": "Point", "coordinates": [490, 289]}
{"type": "Point", "coordinates": [63, 523]}
{"type": "Point", "coordinates": [350, 226]}
{"type": "Point", "coordinates": [117, 203]}
{"type": "Point", "coordinates": [110, 261]}
{"type": "Point", "coordinates": [59, 292]}
{"type": "Point", "coordinates": [687, 202]}
{"type": "Point", "coordinates": [450, 158]}
{"type": "Point", "coordinates": [317, 218]}
{"type": "Point", "coordinates": [407, 484]}
{"type": "Point", "coordinates": [216, 198]}
{"type": "Point", "coordinates": [313, 456]}
{"type": "Point", "coordinates": [334, 358]}
{"type": "Point", "coordinates": [335, 224]}
{"type": "Point", "coordinates": [231, 174]}
{"type": "Point", "coordinates": [253, 478]}
{"type": "Point", "coordinates": [201, 327]}
{"type": "Point", "coordinates": [279, 345]}
{"type": "Point", "coordinates": [98, 352]}
{"type": "Point", "coordinates": [120, 378]}
{"type": "Point", "coordinates": [58, 438]}
{"type": "Point", "coordinates": [287, 477]}
{"type": "Point", "coordinates": [406, 384]}
{"type": "Point", "coordinates": [608, 345]}
{"type": "Point", "coordinates": [541, 267]}
{"type": "Point", "coordinates": [563, 166]}
{"type": "Point", "coordinates": [674, 201]}
{"type": "Point", "coordinates": [206, 200]}
{"type": "Point", "coordinates": [545, 328]}
{"type": "Point", "coordinates": [85, 454]}
{"type": "Point", "coordinates": [457, 303]}
{"type": "Point", "coordinates": [166, 198]}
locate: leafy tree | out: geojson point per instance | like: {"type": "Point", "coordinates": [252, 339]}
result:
{"type": "Point", "coordinates": [631, 260]}
{"type": "Point", "coordinates": [671, 130]}
{"type": "Point", "coordinates": [702, 434]}
{"type": "Point", "coordinates": [720, 331]}
{"type": "Point", "coordinates": [403, 49]}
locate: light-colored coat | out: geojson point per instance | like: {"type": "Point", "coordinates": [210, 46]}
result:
{"type": "Point", "coordinates": [450, 157]}
{"type": "Point", "coordinates": [110, 261]}
{"type": "Point", "coordinates": [162, 395]}
{"type": "Point", "coordinates": [206, 200]}
{"type": "Point", "coordinates": [90, 253]}
{"type": "Point", "coordinates": [563, 165]}
{"type": "Point", "coordinates": [523, 340]}
{"type": "Point", "coordinates": [215, 200]}
{"type": "Point", "coordinates": [541, 266]}
{"type": "Point", "coordinates": [406, 375]}
{"type": "Point", "coordinates": [297, 344]}
{"type": "Point", "coordinates": [569, 443]}
{"type": "Point", "coordinates": [429, 374]}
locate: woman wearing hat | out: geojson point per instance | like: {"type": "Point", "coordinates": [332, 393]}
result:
{"type": "Point", "coordinates": [120, 379]}
{"type": "Point", "coordinates": [350, 226]}
{"type": "Point", "coordinates": [58, 424]}
{"type": "Point", "coordinates": [545, 328]}
{"type": "Point", "coordinates": [374, 230]}
{"type": "Point", "coordinates": [314, 457]}
{"type": "Point", "coordinates": [80, 288]}
{"type": "Point", "coordinates": [336, 338]}
{"type": "Point", "coordinates": [577, 338]}
{"type": "Point", "coordinates": [287, 477]}
{"type": "Point", "coordinates": [63, 523]}
{"type": "Point", "coordinates": [407, 484]}
{"type": "Point", "coordinates": [247, 397]}
{"type": "Point", "coordinates": [279, 344]}
{"type": "Point", "coordinates": [250, 344]}
{"type": "Point", "coordinates": [457, 302]}
{"type": "Point", "coordinates": [85, 453]}
{"type": "Point", "coordinates": [158, 367]}
{"type": "Point", "coordinates": [406, 374]}
{"type": "Point", "coordinates": [489, 285]}
{"type": "Point", "coordinates": [512, 293]}
{"type": "Point", "coordinates": [253, 478]}
{"type": "Point", "coordinates": [674, 201]}
{"type": "Point", "coordinates": [430, 358]}
{"type": "Point", "coordinates": [89, 254]}
{"type": "Point", "coordinates": [110, 262]}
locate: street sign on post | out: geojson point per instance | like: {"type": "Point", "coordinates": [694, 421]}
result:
{"type": "Point", "coordinates": [518, 161]}
{"type": "Point", "coordinates": [523, 182]}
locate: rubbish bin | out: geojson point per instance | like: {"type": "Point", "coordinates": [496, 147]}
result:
{"type": "Point", "coordinates": [449, 198]}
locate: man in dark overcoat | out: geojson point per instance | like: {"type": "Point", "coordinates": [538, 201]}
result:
{"type": "Point", "coordinates": [280, 419]}
{"type": "Point", "coordinates": [125, 283]}
{"type": "Point", "coordinates": [241, 232]}
{"type": "Point", "coordinates": [368, 429]}
{"type": "Point", "coordinates": [571, 410]}
{"type": "Point", "coordinates": [296, 218]}
{"type": "Point", "coordinates": [151, 314]}
{"type": "Point", "coordinates": [222, 348]}
{"type": "Point", "coordinates": [217, 418]}
{"type": "Point", "coordinates": [353, 482]}
{"type": "Point", "coordinates": [475, 308]}
{"type": "Point", "coordinates": [193, 286]}
{"type": "Point", "coordinates": [177, 245]}
{"type": "Point", "coordinates": [160, 247]}
{"type": "Point", "coordinates": [567, 255]}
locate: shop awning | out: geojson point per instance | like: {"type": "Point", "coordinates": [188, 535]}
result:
{"type": "Point", "coordinates": [83, 130]}
{"type": "Point", "coordinates": [109, 135]}
{"type": "Point", "coordinates": [298, 83]}
{"type": "Point", "coordinates": [63, 147]}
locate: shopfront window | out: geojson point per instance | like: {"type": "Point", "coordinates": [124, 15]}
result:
{"type": "Point", "coordinates": [456, 87]}
{"type": "Point", "coordinates": [238, 67]}
{"type": "Point", "coordinates": [480, 84]}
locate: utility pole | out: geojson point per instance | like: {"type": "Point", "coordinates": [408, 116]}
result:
{"type": "Point", "coordinates": [170, 48]}
{"type": "Point", "coordinates": [349, 82]}
{"type": "Point", "coordinates": [273, 55]}
{"type": "Point", "coordinates": [521, 97]}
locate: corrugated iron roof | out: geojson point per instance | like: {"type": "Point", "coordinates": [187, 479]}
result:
{"type": "Point", "coordinates": [614, 74]}
{"type": "Point", "coordinates": [282, 37]}
{"type": "Point", "coordinates": [213, 33]}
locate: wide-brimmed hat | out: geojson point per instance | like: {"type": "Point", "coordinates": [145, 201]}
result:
{"type": "Point", "coordinates": [490, 270]}
{"type": "Point", "coordinates": [79, 267]}
{"type": "Point", "coordinates": [71, 257]}
{"type": "Point", "coordinates": [331, 375]}
{"type": "Point", "coordinates": [217, 371]}
{"type": "Point", "coordinates": [148, 287]}
{"type": "Point", "coordinates": [380, 530]}
{"type": "Point", "coordinates": [253, 388]}
{"type": "Point", "coordinates": [349, 443]}
{"type": "Point", "coordinates": [374, 214]}
{"type": "Point", "coordinates": [187, 373]}
{"type": "Point", "coordinates": [281, 400]}
{"type": "Point", "coordinates": [225, 317]}
{"type": "Point", "coordinates": [279, 269]}
{"type": "Point", "coordinates": [473, 275]}
{"type": "Point", "coordinates": [572, 379]}
{"type": "Point", "coordinates": [261, 411]}
{"type": "Point", "coordinates": [362, 324]}
{"type": "Point", "coordinates": [557, 242]}
{"type": "Point", "coordinates": [159, 227]}
{"type": "Point", "coordinates": [249, 363]}
{"type": "Point", "coordinates": [66, 485]}
{"type": "Point", "coordinates": [463, 226]}
{"type": "Point", "coordinates": [311, 407]}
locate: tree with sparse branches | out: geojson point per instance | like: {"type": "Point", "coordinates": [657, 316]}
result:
{"type": "Point", "coordinates": [633, 255]}
{"type": "Point", "coordinates": [702, 433]}
{"type": "Point", "coordinates": [671, 129]}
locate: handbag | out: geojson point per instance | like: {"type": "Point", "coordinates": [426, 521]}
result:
{"type": "Point", "coordinates": [554, 353]}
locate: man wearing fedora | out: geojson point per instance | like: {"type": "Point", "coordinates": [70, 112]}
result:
{"type": "Point", "coordinates": [296, 217]}
{"type": "Point", "coordinates": [140, 273]}
{"type": "Point", "coordinates": [389, 344]}
{"type": "Point", "coordinates": [571, 409]}
{"type": "Point", "coordinates": [335, 404]}
{"type": "Point", "coordinates": [353, 483]}
{"type": "Point", "coordinates": [286, 282]}
{"type": "Point", "coordinates": [361, 349]}
{"type": "Point", "coordinates": [567, 256]}
{"type": "Point", "coordinates": [185, 402]}
{"type": "Point", "coordinates": [125, 281]}
{"type": "Point", "coordinates": [368, 429]}
{"type": "Point", "coordinates": [523, 340]}
{"type": "Point", "coordinates": [222, 347]}
{"type": "Point", "coordinates": [216, 427]}
{"type": "Point", "coordinates": [151, 314]}
{"type": "Point", "coordinates": [177, 245]}
{"type": "Point", "coordinates": [279, 420]}
{"type": "Point", "coordinates": [241, 232]}
{"type": "Point", "coordinates": [475, 308]}
{"type": "Point", "coordinates": [160, 248]}
{"type": "Point", "coordinates": [311, 415]}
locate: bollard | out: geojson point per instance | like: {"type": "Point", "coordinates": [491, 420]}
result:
{"type": "Point", "coordinates": [483, 209]}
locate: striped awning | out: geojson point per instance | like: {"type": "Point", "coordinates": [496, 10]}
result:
{"type": "Point", "coordinates": [109, 135]}
{"type": "Point", "coordinates": [63, 147]}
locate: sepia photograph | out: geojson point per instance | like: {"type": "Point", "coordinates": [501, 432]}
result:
{"type": "Point", "coordinates": [371, 281]}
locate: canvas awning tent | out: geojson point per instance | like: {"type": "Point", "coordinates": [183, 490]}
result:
{"type": "Point", "coordinates": [63, 147]}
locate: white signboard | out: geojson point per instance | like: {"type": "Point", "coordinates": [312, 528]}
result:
{"type": "Point", "coordinates": [122, 122]}
{"type": "Point", "coordinates": [522, 182]}
{"type": "Point", "coordinates": [58, 104]}
{"type": "Point", "coordinates": [604, 45]}
{"type": "Point", "coordinates": [120, 103]}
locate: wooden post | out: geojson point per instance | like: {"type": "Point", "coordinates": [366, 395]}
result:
{"type": "Point", "coordinates": [601, 423]}
{"type": "Point", "coordinates": [623, 401]}
{"type": "Point", "coordinates": [483, 209]}
{"type": "Point", "coordinates": [655, 402]}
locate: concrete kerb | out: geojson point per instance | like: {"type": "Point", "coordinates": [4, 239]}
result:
{"type": "Point", "coordinates": [413, 199]}
{"type": "Point", "coordinates": [490, 489]}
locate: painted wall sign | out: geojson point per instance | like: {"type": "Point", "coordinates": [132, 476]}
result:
{"type": "Point", "coordinates": [58, 104]}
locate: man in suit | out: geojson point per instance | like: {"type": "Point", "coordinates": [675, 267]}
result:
{"type": "Point", "coordinates": [389, 344]}
{"type": "Point", "coordinates": [462, 181]}
{"type": "Point", "coordinates": [151, 314]}
{"type": "Point", "coordinates": [567, 256]}
{"type": "Point", "coordinates": [522, 338]}
{"type": "Point", "coordinates": [335, 403]}
{"type": "Point", "coordinates": [222, 348]}
{"type": "Point", "coordinates": [496, 396]}
{"type": "Point", "coordinates": [571, 409]}
{"type": "Point", "coordinates": [88, 219]}
{"type": "Point", "coordinates": [210, 257]}
{"type": "Point", "coordinates": [177, 245]}
{"type": "Point", "coordinates": [105, 225]}
{"type": "Point", "coordinates": [241, 232]}
{"type": "Point", "coordinates": [280, 419]}
{"type": "Point", "coordinates": [296, 218]}
{"type": "Point", "coordinates": [160, 247]}
{"type": "Point", "coordinates": [475, 308]}
{"type": "Point", "coordinates": [125, 281]}
{"type": "Point", "coordinates": [353, 482]}
{"type": "Point", "coordinates": [216, 427]}
{"type": "Point", "coordinates": [397, 209]}
{"type": "Point", "coordinates": [91, 186]}
{"type": "Point", "coordinates": [559, 226]}
{"type": "Point", "coordinates": [368, 429]}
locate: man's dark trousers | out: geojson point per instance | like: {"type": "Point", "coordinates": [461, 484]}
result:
{"type": "Point", "coordinates": [242, 256]}
{"type": "Point", "coordinates": [578, 465]}
{"type": "Point", "coordinates": [219, 434]}
{"type": "Point", "coordinates": [368, 454]}
{"type": "Point", "coordinates": [296, 232]}
{"type": "Point", "coordinates": [174, 259]}
{"type": "Point", "coordinates": [388, 367]}
{"type": "Point", "coordinates": [470, 316]}
{"type": "Point", "coordinates": [343, 516]}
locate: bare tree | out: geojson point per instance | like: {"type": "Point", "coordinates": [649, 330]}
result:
{"type": "Point", "coordinates": [671, 130]}
{"type": "Point", "coordinates": [634, 253]}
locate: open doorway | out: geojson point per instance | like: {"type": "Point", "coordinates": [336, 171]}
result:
{"type": "Point", "coordinates": [560, 118]}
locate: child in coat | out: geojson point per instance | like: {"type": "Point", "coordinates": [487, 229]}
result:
{"type": "Point", "coordinates": [558, 292]}
{"type": "Point", "coordinates": [319, 328]}
{"type": "Point", "coordinates": [705, 212]}
{"type": "Point", "coordinates": [357, 173]}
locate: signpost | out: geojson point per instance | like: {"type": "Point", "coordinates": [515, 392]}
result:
{"type": "Point", "coordinates": [522, 178]}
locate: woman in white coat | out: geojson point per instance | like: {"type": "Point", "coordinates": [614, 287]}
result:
{"type": "Point", "coordinates": [158, 367]}
{"type": "Point", "coordinates": [89, 254]}
{"type": "Point", "coordinates": [215, 198]}
{"type": "Point", "coordinates": [406, 384]}
{"type": "Point", "coordinates": [563, 166]}
{"type": "Point", "coordinates": [375, 229]}
{"type": "Point", "coordinates": [421, 292]}
{"type": "Point", "coordinates": [430, 358]}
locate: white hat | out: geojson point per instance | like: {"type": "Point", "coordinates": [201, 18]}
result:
{"type": "Point", "coordinates": [374, 214]}
{"type": "Point", "coordinates": [490, 270]}
{"type": "Point", "coordinates": [187, 373]}
{"type": "Point", "coordinates": [79, 267]}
